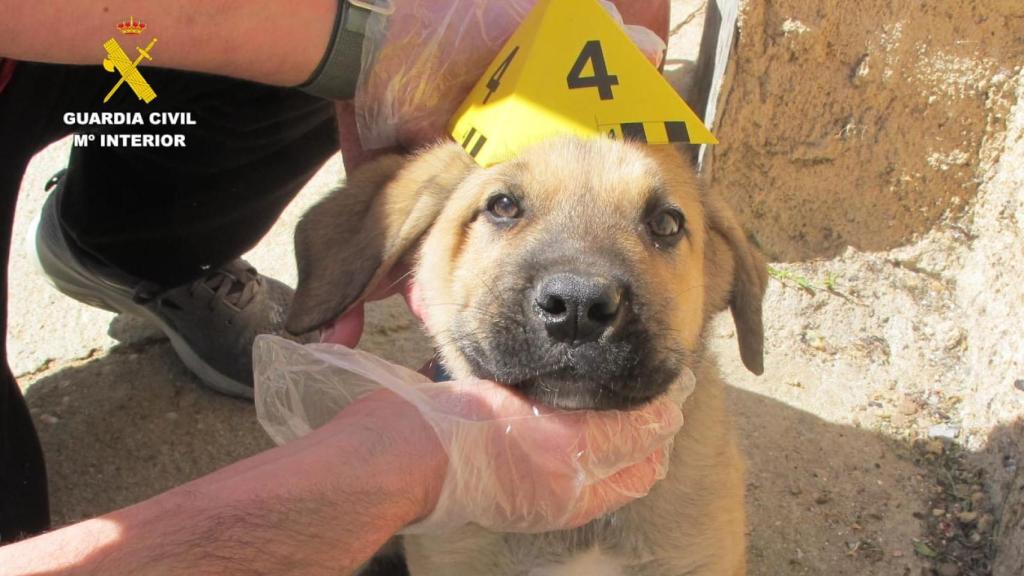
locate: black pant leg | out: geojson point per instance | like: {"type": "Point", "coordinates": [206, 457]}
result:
{"type": "Point", "coordinates": [24, 504]}
{"type": "Point", "coordinates": [24, 501]}
{"type": "Point", "coordinates": [167, 215]}
{"type": "Point", "coordinates": [29, 120]}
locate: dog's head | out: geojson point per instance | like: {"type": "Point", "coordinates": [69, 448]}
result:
{"type": "Point", "coordinates": [581, 273]}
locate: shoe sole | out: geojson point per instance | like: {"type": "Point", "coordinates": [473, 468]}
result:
{"type": "Point", "coordinates": [73, 283]}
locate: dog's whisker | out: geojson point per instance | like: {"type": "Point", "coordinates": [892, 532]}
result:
{"type": "Point", "coordinates": [473, 307]}
{"type": "Point", "coordinates": [399, 280]}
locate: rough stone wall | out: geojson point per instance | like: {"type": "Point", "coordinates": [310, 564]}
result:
{"type": "Point", "coordinates": [896, 129]}
{"type": "Point", "coordinates": [861, 123]}
{"type": "Point", "coordinates": [990, 292]}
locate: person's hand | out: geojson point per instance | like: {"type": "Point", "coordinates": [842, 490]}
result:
{"type": "Point", "coordinates": [512, 466]}
{"type": "Point", "coordinates": [433, 54]}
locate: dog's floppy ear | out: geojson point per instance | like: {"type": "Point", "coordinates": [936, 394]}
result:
{"type": "Point", "coordinates": [350, 240]}
{"type": "Point", "coordinates": [736, 275]}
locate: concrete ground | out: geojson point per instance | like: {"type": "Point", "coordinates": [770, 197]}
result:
{"type": "Point", "coordinates": [121, 419]}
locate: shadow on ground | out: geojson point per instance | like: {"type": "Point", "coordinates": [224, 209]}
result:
{"type": "Point", "coordinates": [118, 429]}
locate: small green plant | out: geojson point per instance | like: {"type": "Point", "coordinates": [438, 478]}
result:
{"type": "Point", "coordinates": [787, 276]}
{"type": "Point", "coordinates": [925, 550]}
{"type": "Point", "coordinates": [829, 283]}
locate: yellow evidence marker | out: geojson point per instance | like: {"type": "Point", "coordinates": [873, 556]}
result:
{"type": "Point", "coordinates": [571, 69]}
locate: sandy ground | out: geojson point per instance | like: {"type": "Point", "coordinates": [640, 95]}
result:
{"type": "Point", "coordinates": [844, 478]}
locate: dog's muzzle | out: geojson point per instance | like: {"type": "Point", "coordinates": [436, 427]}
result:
{"type": "Point", "coordinates": [577, 308]}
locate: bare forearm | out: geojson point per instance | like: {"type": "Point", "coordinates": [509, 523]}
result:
{"type": "Point", "coordinates": [269, 41]}
{"type": "Point", "coordinates": [320, 505]}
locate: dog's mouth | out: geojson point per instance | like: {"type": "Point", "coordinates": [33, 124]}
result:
{"type": "Point", "coordinates": [570, 394]}
{"type": "Point", "coordinates": [596, 379]}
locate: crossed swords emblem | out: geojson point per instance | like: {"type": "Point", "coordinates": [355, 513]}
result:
{"type": "Point", "coordinates": [117, 60]}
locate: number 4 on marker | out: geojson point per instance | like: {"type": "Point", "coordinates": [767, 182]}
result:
{"type": "Point", "coordinates": [600, 79]}
{"type": "Point", "coordinates": [495, 81]}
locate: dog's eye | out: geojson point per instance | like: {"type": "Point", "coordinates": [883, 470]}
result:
{"type": "Point", "coordinates": [504, 207]}
{"type": "Point", "coordinates": [666, 222]}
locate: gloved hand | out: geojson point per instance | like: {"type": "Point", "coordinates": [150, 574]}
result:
{"type": "Point", "coordinates": [433, 52]}
{"type": "Point", "coordinates": [512, 466]}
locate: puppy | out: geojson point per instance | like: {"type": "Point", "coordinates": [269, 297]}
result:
{"type": "Point", "coordinates": [582, 274]}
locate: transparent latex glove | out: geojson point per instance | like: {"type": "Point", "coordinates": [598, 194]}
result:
{"type": "Point", "coordinates": [512, 466]}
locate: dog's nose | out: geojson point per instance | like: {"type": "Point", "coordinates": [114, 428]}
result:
{"type": "Point", "coordinates": [577, 308]}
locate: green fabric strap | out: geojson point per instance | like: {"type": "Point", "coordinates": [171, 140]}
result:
{"type": "Point", "coordinates": [338, 73]}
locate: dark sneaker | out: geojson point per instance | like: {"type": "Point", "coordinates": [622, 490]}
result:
{"type": "Point", "coordinates": [211, 323]}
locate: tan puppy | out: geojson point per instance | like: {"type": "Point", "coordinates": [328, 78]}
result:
{"type": "Point", "coordinates": [582, 274]}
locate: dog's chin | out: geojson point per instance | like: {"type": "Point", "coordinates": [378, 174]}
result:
{"type": "Point", "coordinates": [568, 394]}
{"type": "Point", "coordinates": [570, 390]}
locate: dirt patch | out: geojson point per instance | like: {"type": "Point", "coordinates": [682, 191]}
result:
{"type": "Point", "coordinates": [862, 123]}
{"type": "Point", "coordinates": [960, 520]}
